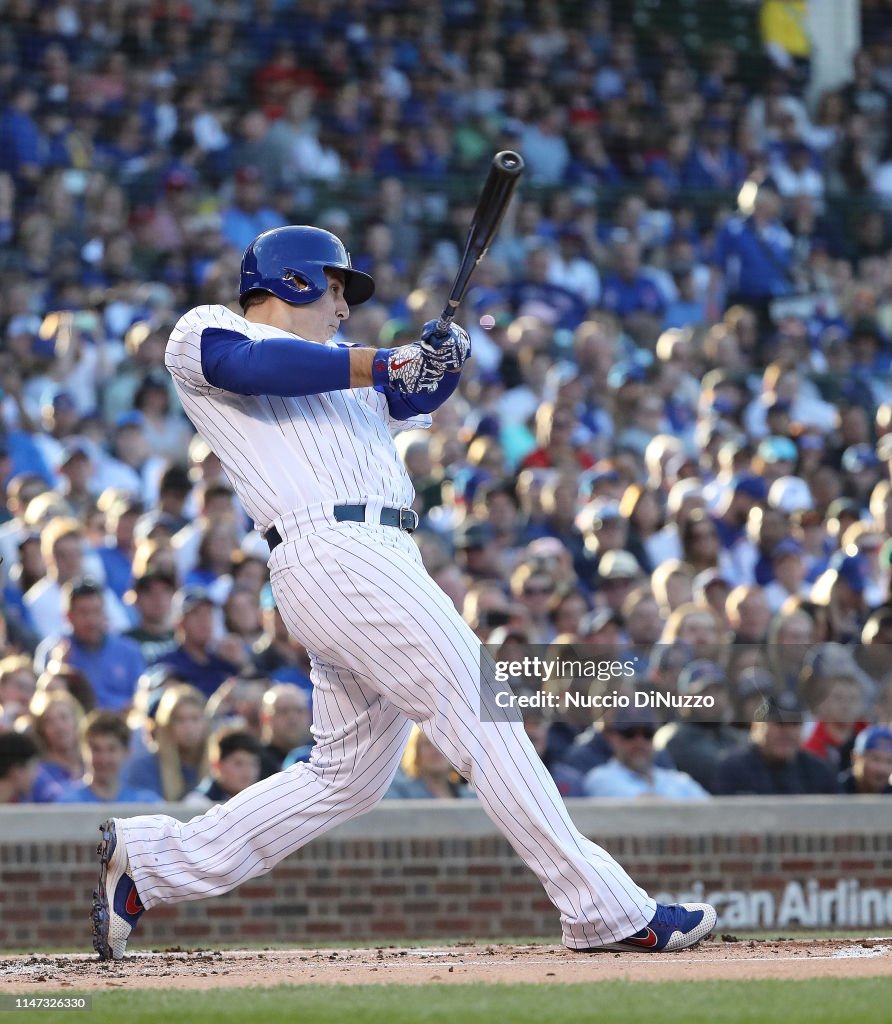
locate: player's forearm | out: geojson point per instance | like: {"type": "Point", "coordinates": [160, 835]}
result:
{"type": "Point", "coordinates": [361, 367]}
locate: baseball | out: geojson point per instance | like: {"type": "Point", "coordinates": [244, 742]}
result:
{"type": "Point", "coordinates": [487, 321]}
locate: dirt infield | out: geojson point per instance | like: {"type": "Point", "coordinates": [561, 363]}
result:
{"type": "Point", "coordinates": [720, 959]}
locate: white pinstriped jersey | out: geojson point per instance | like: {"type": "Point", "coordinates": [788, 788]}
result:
{"type": "Point", "coordinates": [287, 454]}
{"type": "Point", "coordinates": [387, 648]}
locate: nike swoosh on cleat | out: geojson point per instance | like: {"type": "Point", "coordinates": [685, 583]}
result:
{"type": "Point", "coordinates": [134, 903]}
{"type": "Point", "coordinates": [648, 941]}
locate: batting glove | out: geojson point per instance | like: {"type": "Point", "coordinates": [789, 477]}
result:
{"type": "Point", "coordinates": [451, 351]}
{"type": "Point", "coordinates": [407, 370]}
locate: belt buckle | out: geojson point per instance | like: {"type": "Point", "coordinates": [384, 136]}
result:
{"type": "Point", "coordinates": [407, 516]}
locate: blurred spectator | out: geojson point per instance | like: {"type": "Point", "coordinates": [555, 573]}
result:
{"type": "Point", "coordinates": [198, 658]}
{"type": "Point", "coordinates": [772, 764]}
{"type": "Point", "coordinates": [871, 770]}
{"type": "Point", "coordinates": [19, 492]}
{"type": "Point", "coordinates": [247, 217]}
{"type": "Point", "coordinates": [116, 554]}
{"type": "Point", "coordinates": [714, 164]}
{"type": "Point", "coordinates": [703, 734]}
{"type": "Point", "coordinates": [753, 256]}
{"type": "Point", "coordinates": [238, 702]}
{"type": "Point", "coordinates": [214, 555]}
{"type": "Point", "coordinates": [56, 719]}
{"type": "Point", "coordinates": [18, 766]}
{"type": "Point", "coordinates": [17, 684]}
{"type": "Point", "coordinates": [631, 773]}
{"type": "Point", "coordinates": [631, 293]}
{"type": "Point", "coordinates": [748, 614]}
{"type": "Point", "coordinates": [234, 758]}
{"type": "Point", "coordinates": [151, 597]}
{"type": "Point", "coordinates": [177, 757]}
{"type": "Point", "coordinates": [556, 450]}
{"type": "Point", "coordinates": [276, 654]}
{"type": "Point", "coordinates": [285, 726]}
{"type": "Point", "coordinates": [112, 664]}
{"type": "Point", "coordinates": [784, 28]}
{"type": "Point", "coordinates": [62, 545]}
{"type": "Point", "coordinates": [58, 676]}
{"type": "Point", "coordinates": [425, 774]}
{"type": "Point", "coordinates": [568, 780]}
{"type": "Point", "coordinates": [241, 615]}
{"type": "Point", "coordinates": [174, 489]}
{"type": "Point", "coordinates": [835, 698]}
{"type": "Point", "coordinates": [105, 744]}
{"type": "Point", "coordinates": [21, 141]}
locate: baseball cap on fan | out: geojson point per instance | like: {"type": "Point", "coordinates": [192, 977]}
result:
{"type": "Point", "coordinates": [632, 719]}
{"type": "Point", "coordinates": [752, 486]}
{"type": "Point", "coordinates": [782, 708]}
{"type": "Point", "coordinates": [858, 457]}
{"type": "Point", "coordinates": [786, 548]}
{"type": "Point", "coordinates": [625, 373]}
{"type": "Point", "coordinates": [874, 737]}
{"type": "Point", "coordinates": [188, 599]}
{"type": "Point", "coordinates": [777, 449]}
{"type": "Point", "coordinates": [790, 494]}
{"type": "Point", "coordinates": [561, 374]}
{"type": "Point", "coordinates": [709, 578]}
{"type": "Point", "coordinates": [594, 515]}
{"type": "Point", "coordinates": [619, 565]}
{"type": "Point", "coordinates": [852, 569]}
{"type": "Point", "coordinates": [700, 676]}
{"type": "Point", "coordinates": [75, 447]}
{"type": "Point", "coordinates": [474, 534]}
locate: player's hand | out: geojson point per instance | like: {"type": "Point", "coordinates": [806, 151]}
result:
{"type": "Point", "coordinates": [407, 370]}
{"type": "Point", "coordinates": [451, 351]}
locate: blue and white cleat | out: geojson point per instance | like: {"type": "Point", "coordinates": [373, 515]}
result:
{"type": "Point", "coordinates": [113, 917]}
{"type": "Point", "coordinates": [674, 926]}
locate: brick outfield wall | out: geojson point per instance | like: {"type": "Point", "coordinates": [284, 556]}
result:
{"type": "Point", "coordinates": [424, 870]}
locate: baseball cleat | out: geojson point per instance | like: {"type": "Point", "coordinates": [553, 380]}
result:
{"type": "Point", "coordinates": [674, 926]}
{"type": "Point", "coordinates": [113, 916]}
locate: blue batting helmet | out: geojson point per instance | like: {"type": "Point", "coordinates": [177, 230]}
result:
{"type": "Point", "coordinates": [290, 263]}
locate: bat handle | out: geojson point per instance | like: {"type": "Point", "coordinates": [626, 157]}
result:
{"type": "Point", "coordinates": [445, 321]}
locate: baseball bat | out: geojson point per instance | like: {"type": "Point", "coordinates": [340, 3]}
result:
{"type": "Point", "coordinates": [504, 173]}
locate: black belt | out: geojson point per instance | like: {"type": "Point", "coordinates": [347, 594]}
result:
{"type": "Point", "coordinates": [405, 519]}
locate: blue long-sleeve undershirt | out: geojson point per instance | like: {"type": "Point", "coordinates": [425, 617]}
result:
{"type": "Point", "coordinates": [291, 367]}
{"type": "Point", "coordinates": [288, 367]}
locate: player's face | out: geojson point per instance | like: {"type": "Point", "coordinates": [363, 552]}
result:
{"type": "Point", "coordinates": [320, 320]}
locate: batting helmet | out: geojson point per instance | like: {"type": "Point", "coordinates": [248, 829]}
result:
{"type": "Point", "coordinates": [290, 263]}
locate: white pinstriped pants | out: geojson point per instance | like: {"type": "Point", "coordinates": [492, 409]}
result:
{"type": "Point", "coordinates": [388, 649]}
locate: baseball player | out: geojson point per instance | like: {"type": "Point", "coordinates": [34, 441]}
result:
{"type": "Point", "coordinates": [303, 426]}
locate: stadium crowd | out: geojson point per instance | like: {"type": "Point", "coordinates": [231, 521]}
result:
{"type": "Point", "coordinates": [673, 444]}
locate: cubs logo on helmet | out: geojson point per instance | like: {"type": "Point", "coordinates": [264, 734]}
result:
{"type": "Point", "coordinates": [290, 263]}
